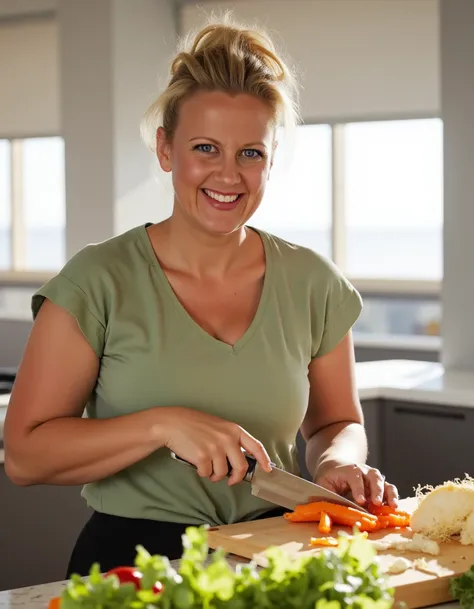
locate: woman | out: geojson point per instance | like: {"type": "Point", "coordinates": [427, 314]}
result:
{"type": "Point", "coordinates": [198, 335]}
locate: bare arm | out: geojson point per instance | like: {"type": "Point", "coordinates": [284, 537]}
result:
{"type": "Point", "coordinates": [46, 440]}
{"type": "Point", "coordinates": [333, 428]}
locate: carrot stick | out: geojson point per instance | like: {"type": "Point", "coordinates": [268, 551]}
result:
{"type": "Point", "coordinates": [54, 603]}
{"type": "Point", "coordinates": [323, 541]}
{"type": "Point", "coordinates": [340, 514]}
{"type": "Point", "coordinates": [325, 524]}
{"type": "Point", "coordinates": [387, 510]}
{"type": "Point", "coordinates": [328, 541]}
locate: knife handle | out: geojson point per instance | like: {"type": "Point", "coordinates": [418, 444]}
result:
{"type": "Point", "coordinates": [251, 461]}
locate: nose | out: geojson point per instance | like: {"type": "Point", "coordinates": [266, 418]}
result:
{"type": "Point", "coordinates": [228, 171]}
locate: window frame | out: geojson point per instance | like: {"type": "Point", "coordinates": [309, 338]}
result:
{"type": "Point", "coordinates": [18, 231]}
{"type": "Point", "coordinates": [412, 287]}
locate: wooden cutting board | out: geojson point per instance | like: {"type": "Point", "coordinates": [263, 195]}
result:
{"type": "Point", "coordinates": [417, 589]}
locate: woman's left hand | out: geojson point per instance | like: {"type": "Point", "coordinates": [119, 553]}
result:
{"type": "Point", "coordinates": [366, 484]}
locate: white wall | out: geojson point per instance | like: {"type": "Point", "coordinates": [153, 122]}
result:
{"type": "Point", "coordinates": [140, 70]}
{"type": "Point", "coordinates": [108, 78]}
{"type": "Point", "coordinates": [457, 51]}
{"type": "Point", "coordinates": [357, 58]}
{"type": "Point", "coordinates": [29, 73]}
{"type": "Point", "coordinates": [22, 8]}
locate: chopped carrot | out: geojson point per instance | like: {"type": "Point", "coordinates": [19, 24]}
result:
{"type": "Point", "coordinates": [329, 541]}
{"type": "Point", "coordinates": [54, 603]}
{"type": "Point", "coordinates": [387, 510]}
{"type": "Point", "coordinates": [340, 514]}
{"type": "Point", "coordinates": [378, 517]}
{"type": "Point", "coordinates": [323, 541]}
{"type": "Point", "coordinates": [325, 524]}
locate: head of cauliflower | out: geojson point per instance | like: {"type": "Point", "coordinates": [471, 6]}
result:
{"type": "Point", "coordinates": [446, 511]}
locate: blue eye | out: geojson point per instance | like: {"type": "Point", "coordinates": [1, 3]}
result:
{"type": "Point", "coordinates": [254, 154]}
{"type": "Point", "coordinates": [204, 147]}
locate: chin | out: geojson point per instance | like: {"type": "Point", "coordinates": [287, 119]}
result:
{"type": "Point", "coordinates": [220, 228]}
{"type": "Point", "coordinates": [221, 223]}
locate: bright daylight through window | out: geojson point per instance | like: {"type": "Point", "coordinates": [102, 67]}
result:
{"type": "Point", "coordinates": [5, 205]}
{"type": "Point", "coordinates": [393, 184]}
{"type": "Point", "coordinates": [388, 217]}
{"type": "Point", "coordinates": [32, 204]}
{"type": "Point", "coordinates": [298, 199]}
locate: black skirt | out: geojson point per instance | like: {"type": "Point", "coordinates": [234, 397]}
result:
{"type": "Point", "coordinates": [111, 541]}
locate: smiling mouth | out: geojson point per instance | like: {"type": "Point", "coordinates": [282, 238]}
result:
{"type": "Point", "coordinates": [229, 199]}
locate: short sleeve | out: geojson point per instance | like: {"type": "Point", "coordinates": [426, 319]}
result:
{"type": "Point", "coordinates": [78, 289]}
{"type": "Point", "coordinates": [343, 306]}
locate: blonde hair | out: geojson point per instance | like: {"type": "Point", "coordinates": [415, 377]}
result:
{"type": "Point", "coordinates": [229, 57]}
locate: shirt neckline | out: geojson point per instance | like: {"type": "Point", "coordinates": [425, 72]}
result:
{"type": "Point", "coordinates": [182, 312]}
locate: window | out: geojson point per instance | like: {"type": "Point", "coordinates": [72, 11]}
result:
{"type": "Point", "coordinates": [32, 204]}
{"type": "Point", "coordinates": [5, 206]}
{"type": "Point", "coordinates": [399, 316]}
{"type": "Point", "coordinates": [393, 184]}
{"type": "Point", "coordinates": [382, 200]}
{"type": "Point", "coordinates": [298, 199]}
{"type": "Point", "coordinates": [43, 202]}
{"type": "Point", "coordinates": [369, 195]}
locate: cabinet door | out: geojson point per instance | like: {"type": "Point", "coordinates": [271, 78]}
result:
{"type": "Point", "coordinates": [373, 410]}
{"type": "Point", "coordinates": [426, 444]}
{"type": "Point", "coordinates": [38, 528]}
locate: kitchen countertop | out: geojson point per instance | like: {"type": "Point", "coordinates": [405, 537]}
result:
{"type": "Point", "coordinates": [391, 379]}
{"type": "Point", "coordinates": [37, 597]}
{"type": "Point", "coordinates": [418, 381]}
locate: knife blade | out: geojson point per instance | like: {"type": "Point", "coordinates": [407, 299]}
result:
{"type": "Point", "coordinates": [283, 488]}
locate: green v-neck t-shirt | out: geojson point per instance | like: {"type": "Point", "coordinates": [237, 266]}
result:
{"type": "Point", "coordinates": [152, 353]}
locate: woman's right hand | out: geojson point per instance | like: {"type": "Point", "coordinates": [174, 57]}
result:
{"type": "Point", "coordinates": [208, 442]}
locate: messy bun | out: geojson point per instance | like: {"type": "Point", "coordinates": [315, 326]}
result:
{"type": "Point", "coordinates": [227, 57]}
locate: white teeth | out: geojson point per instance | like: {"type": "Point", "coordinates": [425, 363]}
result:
{"type": "Point", "coordinates": [221, 198]}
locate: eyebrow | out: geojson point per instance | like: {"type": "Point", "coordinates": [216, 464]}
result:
{"type": "Point", "coordinates": [204, 137]}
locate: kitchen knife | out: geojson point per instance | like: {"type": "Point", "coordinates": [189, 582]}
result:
{"type": "Point", "coordinates": [282, 488]}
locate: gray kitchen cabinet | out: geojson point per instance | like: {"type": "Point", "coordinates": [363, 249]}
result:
{"type": "Point", "coordinates": [373, 411]}
{"type": "Point", "coordinates": [38, 528]}
{"type": "Point", "coordinates": [425, 444]}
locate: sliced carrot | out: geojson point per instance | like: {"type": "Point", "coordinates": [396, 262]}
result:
{"type": "Point", "coordinates": [387, 510]}
{"type": "Point", "coordinates": [339, 514]}
{"type": "Point", "coordinates": [302, 516]}
{"type": "Point", "coordinates": [54, 603]}
{"type": "Point", "coordinates": [329, 541]}
{"type": "Point", "coordinates": [378, 518]}
{"type": "Point", "coordinates": [393, 520]}
{"type": "Point", "coordinates": [325, 524]}
{"type": "Point", "coordinates": [323, 541]}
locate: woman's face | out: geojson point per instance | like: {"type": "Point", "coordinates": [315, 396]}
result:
{"type": "Point", "coordinates": [220, 157]}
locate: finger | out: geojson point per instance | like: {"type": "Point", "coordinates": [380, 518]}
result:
{"type": "Point", "coordinates": [326, 482]}
{"type": "Point", "coordinates": [256, 449]}
{"type": "Point", "coordinates": [203, 465]}
{"type": "Point", "coordinates": [238, 464]}
{"type": "Point", "coordinates": [220, 467]}
{"type": "Point", "coordinates": [391, 495]}
{"type": "Point", "coordinates": [376, 486]}
{"type": "Point", "coordinates": [355, 481]}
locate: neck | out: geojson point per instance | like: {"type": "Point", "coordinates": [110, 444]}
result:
{"type": "Point", "coordinates": [199, 253]}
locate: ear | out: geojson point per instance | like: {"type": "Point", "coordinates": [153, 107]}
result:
{"type": "Point", "coordinates": [163, 149]}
